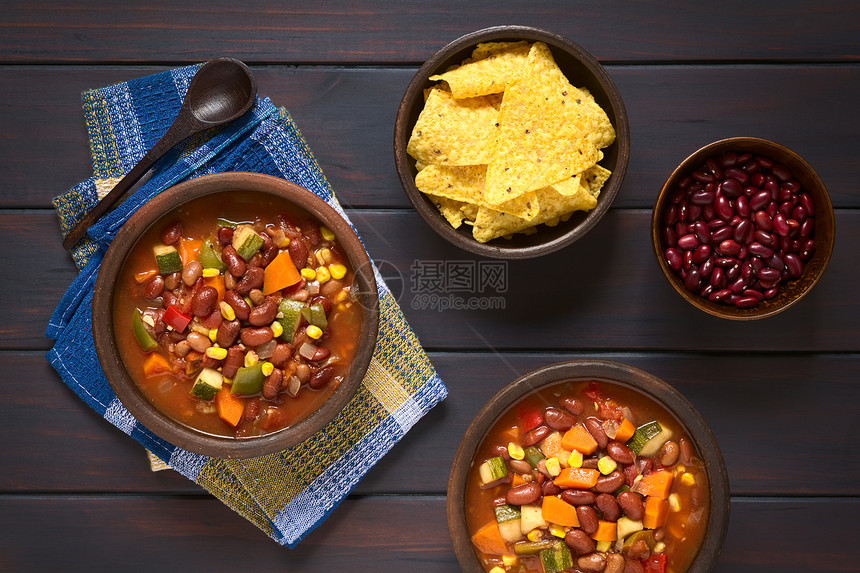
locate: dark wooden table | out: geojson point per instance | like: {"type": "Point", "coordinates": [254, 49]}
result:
{"type": "Point", "coordinates": [782, 395]}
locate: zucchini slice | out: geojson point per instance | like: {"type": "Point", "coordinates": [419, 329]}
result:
{"type": "Point", "coordinates": [207, 384]}
{"type": "Point", "coordinates": [642, 434]}
{"type": "Point", "coordinates": [246, 241]}
{"type": "Point", "coordinates": [557, 558]}
{"type": "Point", "coordinates": [167, 259]}
{"type": "Point", "coordinates": [289, 313]}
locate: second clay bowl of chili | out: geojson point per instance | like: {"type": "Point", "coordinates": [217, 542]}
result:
{"type": "Point", "coordinates": [235, 314]}
{"type": "Point", "coordinates": [588, 465]}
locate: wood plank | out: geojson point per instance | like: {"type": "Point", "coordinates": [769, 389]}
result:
{"type": "Point", "coordinates": [347, 116]}
{"type": "Point", "coordinates": [139, 533]}
{"type": "Point", "coordinates": [609, 289]}
{"type": "Point", "coordinates": [365, 31]}
{"type": "Point", "coordinates": [767, 412]}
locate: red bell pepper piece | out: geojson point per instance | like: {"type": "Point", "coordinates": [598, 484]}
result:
{"type": "Point", "coordinates": [656, 564]}
{"type": "Point", "coordinates": [529, 418]}
{"type": "Point", "coordinates": [175, 318]}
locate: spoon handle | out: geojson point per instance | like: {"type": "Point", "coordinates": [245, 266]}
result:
{"type": "Point", "coordinates": [179, 130]}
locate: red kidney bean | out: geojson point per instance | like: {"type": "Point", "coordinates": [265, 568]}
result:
{"type": "Point", "coordinates": [614, 563]}
{"type": "Point", "coordinates": [191, 272]}
{"type": "Point", "coordinates": [633, 566]}
{"type": "Point", "coordinates": [595, 428]}
{"type": "Point", "coordinates": [769, 274]}
{"type": "Point", "coordinates": [588, 521]}
{"type": "Point", "coordinates": [592, 562]}
{"type": "Point", "coordinates": [523, 494]}
{"type": "Point", "coordinates": [759, 200]}
{"type": "Point", "coordinates": [780, 225]}
{"type": "Point", "coordinates": [781, 172]}
{"type": "Point", "coordinates": [806, 227]}
{"type": "Point", "coordinates": [729, 247]}
{"type": "Point", "coordinates": [759, 250]}
{"type": "Point", "coordinates": [558, 419]}
{"type": "Point", "coordinates": [737, 174]}
{"type": "Point", "coordinates": [198, 342]}
{"type": "Point", "coordinates": [225, 236]}
{"type": "Point", "coordinates": [255, 335]}
{"type": "Point", "coordinates": [806, 249]}
{"type": "Point", "coordinates": [702, 197]}
{"type": "Point", "coordinates": [520, 466]}
{"type": "Point", "coordinates": [280, 355]}
{"type": "Point", "coordinates": [272, 384]}
{"type": "Point", "coordinates": [673, 258]}
{"type": "Point", "coordinates": [298, 252]}
{"type": "Point", "coordinates": [579, 541]}
{"type": "Point", "coordinates": [572, 405]}
{"type": "Point", "coordinates": [535, 436]}
{"type": "Point", "coordinates": [723, 207]}
{"type": "Point", "coordinates": [235, 359]}
{"type": "Point", "coordinates": [168, 299]}
{"type": "Point", "coordinates": [590, 463]}
{"type": "Point", "coordinates": [693, 281]}
{"type": "Point", "coordinates": [238, 304]}
{"type": "Point", "coordinates": [619, 452]}
{"type": "Point", "coordinates": [701, 254]}
{"type": "Point", "coordinates": [731, 188]}
{"type": "Point", "coordinates": [686, 451]}
{"type": "Point", "coordinates": [688, 242]}
{"type": "Point", "coordinates": [321, 377]}
{"type": "Point", "coordinates": [630, 473]}
{"type": "Point", "coordinates": [171, 234]}
{"type": "Point", "coordinates": [608, 506]}
{"type": "Point", "coordinates": [721, 234]}
{"type": "Point", "coordinates": [265, 313]}
{"type": "Point", "coordinates": [632, 505]}
{"type": "Point", "coordinates": [154, 287]}
{"type": "Point", "coordinates": [227, 333]}
{"type": "Point", "coordinates": [321, 354]}
{"type": "Point", "coordinates": [609, 483]}
{"type": "Point", "coordinates": [578, 496]}
{"type": "Point", "coordinates": [203, 301]}
{"type": "Point", "coordinates": [253, 278]}
{"type": "Point", "coordinates": [751, 292]}
{"type": "Point", "coordinates": [742, 206]}
{"type": "Point", "coordinates": [549, 488]}
{"type": "Point", "coordinates": [235, 264]}
{"type": "Point", "coordinates": [793, 264]}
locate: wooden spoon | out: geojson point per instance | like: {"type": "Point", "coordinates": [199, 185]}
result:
{"type": "Point", "coordinates": [221, 91]}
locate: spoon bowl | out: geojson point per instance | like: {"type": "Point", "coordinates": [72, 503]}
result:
{"type": "Point", "coordinates": [221, 91]}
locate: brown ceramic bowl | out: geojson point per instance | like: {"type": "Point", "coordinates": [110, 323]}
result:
{"type": "Point", "coordinates": [604, 372]}
{"type": "Point", "coordinates": [103, 329]}
{"type": "Point", "coordinates": [824, 233]}
{"type": "Point", "coordinates": [582, 70]}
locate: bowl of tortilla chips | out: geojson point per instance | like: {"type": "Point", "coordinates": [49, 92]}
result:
{"type": "Point", "coordinates": [511, 142]}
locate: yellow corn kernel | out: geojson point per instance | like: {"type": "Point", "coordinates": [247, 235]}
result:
{"type": "Point", "coordinates": [216, 352]}
{"type": "Point", "coordinates": [679, 469]}
{"type": "Point", "coordinates": [211, 272]}
{"type": "Point", "coordinates": [268, 368]}
{"type": "Point", "coordinates": [323, 275]}
{"type": "Point", "coordinates": [575, 459]}
{"type": "Point", "coordinates": [341, 296]}
{"type": "Point", "coordinates": [283, 242]}
{"type": "Point", "coordinates": [337, 270]}
{"type": "Point", "coordinates": [251, 358]}
{"type": "Point", "coordinates": [308, 274]}
{"type": "Point", "coordinates": [553, 466]}
{"type": "Point", "coordinates": [674, 502]}
{"type": "Point", "coordinates": [326, 233]}
{"type": "Point", "coordinates": [659, 547]}
{"type": "Point", "coordinates": [509, 560]}
{"type": "Point", "coordinates": [213, 334]}
{"type": "Point", "coordinates": [516, 451]}
{"type": "Point", "coordinates": [603, 546]}
{"type": "Point", "coordinates": [557, 530]}
{"type": "Point", "coordinates": [277, 328]}
{"type": "Point", "coordinates": [313, 331]}
{"type": "Point", "coordinates": [606, 465]}
{"type": "Point", "coordinates": [497, 569]}
{"type": "Point", "coordinates": [688, 479]}
{"type": "Point", "coordinates": [227, 311]}
{"type": "Point", "coordinates": [325, 255]}
{"type": "Point", "coordinates": [534, 535]}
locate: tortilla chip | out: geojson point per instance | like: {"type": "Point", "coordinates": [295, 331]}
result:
{"type": "Point", "coordinates": [454, 132]}
{"type": "Point", "coordinates": [450, 209]}
{"type": "Point", "coordinates": [489, 75]}
{"type": "Point", "coordinates": [554, 206]}
{"type": "Point", "coordinates": [485, 49]}
{"type": "Point", "coordinates": [467, 184]}
{"type": "Point", "coordinates": [547, 131]}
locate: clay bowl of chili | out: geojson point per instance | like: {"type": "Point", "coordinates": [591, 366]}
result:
{"type": "Point", "coordinates": [157, 390]}
{"type": "Point", "coordinates": [487, 519]}
{"type": "Point", "coordinates": [582, 70]}
{"type": "Point", "coordinates": [756, 204]}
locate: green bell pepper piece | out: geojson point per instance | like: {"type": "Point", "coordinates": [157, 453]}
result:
{"type": "Point", "coordinates": [146, 341]}
{"type": "Point", "coordinates": [248, 380]}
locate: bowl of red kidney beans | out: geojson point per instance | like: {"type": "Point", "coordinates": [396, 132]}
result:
{"type": "Point", "coordinates": [743, 228]}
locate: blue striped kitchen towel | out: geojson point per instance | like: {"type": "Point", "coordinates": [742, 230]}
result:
{"type": "Point", "coordinates": [286, 494]}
